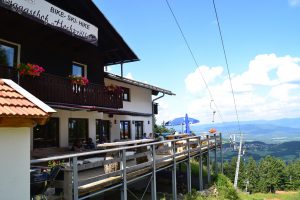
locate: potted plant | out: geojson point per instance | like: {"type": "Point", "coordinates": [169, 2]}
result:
{"type": "Point", "coordinates": [114, 88]}
{"type": "Point", "coordinates": [78, 80]}
{"type": "Point", "coordinates": [29, 69]}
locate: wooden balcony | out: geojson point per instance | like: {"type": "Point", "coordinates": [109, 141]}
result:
{"type": "Point", "coordinates": [56, 89]}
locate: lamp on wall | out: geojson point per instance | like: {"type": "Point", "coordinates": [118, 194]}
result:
{"type": "Point", "coordinates": [148, 122]}
{"type": "Point", "coordinates": [132, 122]}
{"type": "Point", "coordinates": [115, 121]}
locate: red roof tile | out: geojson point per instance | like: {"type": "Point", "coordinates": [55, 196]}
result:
{"type": "Point", "coordinates": [13, 104]}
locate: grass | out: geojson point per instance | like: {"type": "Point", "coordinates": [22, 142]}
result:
{"type": "Point", "coordinates": [222, 190]}
{"type": "Point", "coordinates": [262, 196]}
{"type": "Point", "coordinates": [195, 168]}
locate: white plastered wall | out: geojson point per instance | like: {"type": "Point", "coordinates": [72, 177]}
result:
{"type": "Point", "coordinates": [64, 116]}
{"type": "Point", "coordinates": [140, 98]}
{"type": "Point", "coordinates": [140, 102]}
{"type": "Point", "coordinates": [115, 128]}
{"type": "Point", "coordinates": [15, 152]}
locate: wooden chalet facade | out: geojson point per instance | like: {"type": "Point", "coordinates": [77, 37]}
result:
{"type": "Point", "coordinates": [28, 35]}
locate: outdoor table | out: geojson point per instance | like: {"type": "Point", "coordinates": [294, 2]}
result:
{"type": "Point", "coordinates": [124, 143]}
{"type": "Point", "coordinates": [128, 143]}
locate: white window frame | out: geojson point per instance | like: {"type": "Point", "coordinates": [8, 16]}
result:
{"type": "Point", "coordinates": [18, 48]}
{"type": "Point", "coordinates": [84, 67]}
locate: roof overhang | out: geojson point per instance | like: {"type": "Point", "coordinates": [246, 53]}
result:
{"type": "Point", "coordinates": [155, 90]}
{"type": "Point", "coordinates": [96, 108]}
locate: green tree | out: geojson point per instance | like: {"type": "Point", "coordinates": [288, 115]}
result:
{"type": "Point", "coordinates": [242, 175]}
{"type": "Point", "coordinates": [251, 175]}
{"type": "Point", "coordinates": [229, 170]}
{"type": "Point", "coordinates": [293, 175]}
{"type": "Point", "coordinates": [271, 174]}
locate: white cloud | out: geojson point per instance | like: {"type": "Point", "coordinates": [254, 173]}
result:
{"type": "Point", "coordinates": [129, 76]}
{"type": "Point", "coordinates": [194, 82]}
{"type": "Point", "coordinates": [294, 2]}
{"type": "Point", "coordinates": [268, 89]}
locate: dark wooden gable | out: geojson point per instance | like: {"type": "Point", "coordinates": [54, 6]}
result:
{"type": "Point", "coordinates": [110, 42]}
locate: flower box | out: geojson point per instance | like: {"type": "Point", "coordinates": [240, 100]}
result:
{"type": "Point", "coordinates": [78, 80]}
{"type": "Point", "coordinates": [114, 88]}
{"type": "Point", "coordinates": [29, 69]}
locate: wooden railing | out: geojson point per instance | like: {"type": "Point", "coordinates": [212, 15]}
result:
{"type": "Point", "coordinates": [56, 89]}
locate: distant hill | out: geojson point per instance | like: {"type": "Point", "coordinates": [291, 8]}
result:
{"type": "Point", "coordinates": [273, 131]}
{"type": "Point", "coordinates": [286, 151]}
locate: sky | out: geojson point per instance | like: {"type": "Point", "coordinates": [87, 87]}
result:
{"type": "Point", "coordinates": [262, 41]}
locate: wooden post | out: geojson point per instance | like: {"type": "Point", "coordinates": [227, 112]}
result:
{"type": "Point", "coordinates": [153, 180]}
{"type": "Point", "coordinates": [216, 159]}
{"type": "Point", "coordinates": [124, 176]}
{"type": "Point", "coordinates": [189, 178]}
{"type": "Point", "coordinates": [174, 183]}
{"type": "Point", "coordinates": [68, 185]}
{"type": "Point", "coordinates": [200, 166]}
{"type": "Point", "coordinates": [75, 179]}
{"type": "Point", "coordinates": [208, 160]}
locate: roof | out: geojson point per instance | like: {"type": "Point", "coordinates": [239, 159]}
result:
{"type": "Point", "coordinates": [17, 102]}
{"type": "Point", "coordinates": [155, 90]}
{"type": "Point", "coordinates": [114, 47]}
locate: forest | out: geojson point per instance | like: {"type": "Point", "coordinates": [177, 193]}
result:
{"type": "Point", "coordinates": [270, 174]}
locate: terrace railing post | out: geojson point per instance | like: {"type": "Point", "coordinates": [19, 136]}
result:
{"type": "Point", "coordinates": [208, 160]}
{"type": "Point", "coordinates": [216, 159]}
{"type": "Point", "coordinates": [200, 165]}
{"type": "Point", "coordinates": [189, 181]}
{"type": "Point", "coordinates": [75, 179]}
{"type": "Point", "coordinates": [221, 152]}
{"type": "Point", "coordinates": [124, 177]}
{"type": "Point", "coordinates": [174, 183]}
{"type": "Point", "coordinates": [68, 184]}
{"type": "Point", "coordinates": [153, 180]}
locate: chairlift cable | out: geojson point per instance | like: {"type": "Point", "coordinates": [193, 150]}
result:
{"type": "Point", "coordinates": [194, 59]}
{"type": "Point", "coordinates": [233, 96]}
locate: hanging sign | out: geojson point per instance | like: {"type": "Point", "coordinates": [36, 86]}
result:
{"type": "Point", "coordinates": [50, 15]}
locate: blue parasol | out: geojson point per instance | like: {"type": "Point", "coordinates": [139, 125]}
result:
{"type": "Point", "coordinates": [182, 121]}
{"type": "Point", "coordinates": [187, 124]}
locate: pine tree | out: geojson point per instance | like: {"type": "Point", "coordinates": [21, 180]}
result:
{"type": "Point", "coordinates": [252, 175]}
{"type": "Point", "coordinates": [293, 175]}
{"type": "Point", "coordinates": [271, 174]}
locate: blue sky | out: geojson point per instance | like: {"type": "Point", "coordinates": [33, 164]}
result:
{"type": "Point", "coordinates": [262, 39]}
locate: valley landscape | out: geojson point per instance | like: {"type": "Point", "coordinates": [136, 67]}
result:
{"type": "Point", "coordinates": [279, 138]}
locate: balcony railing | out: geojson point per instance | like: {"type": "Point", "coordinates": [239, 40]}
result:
{"type": "Point", "coordinates": [56, 89]}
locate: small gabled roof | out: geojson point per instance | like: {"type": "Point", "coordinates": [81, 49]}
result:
{"type": "Point", "coordinates": [17, 102]}
{"type": "Point", "coordinates": [155, 90]}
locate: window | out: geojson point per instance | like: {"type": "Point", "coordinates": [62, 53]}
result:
{"type": "Point", "coordinates": [102, 131]}
{"type": "Point", "coordinates": [46, 135]}
{"type": "Point", "coordinates": [126, 94]}
{"type": "Point", "coordinates": [8, 54]}
{"type": "Point", "coordinates": [139, 129]}
{"type": "Point", "coordinates": [78, 130]}
{"type": "Point", "coordinates": [125, 130]}
{"type": "Point", "coordinates": [78, 69]}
